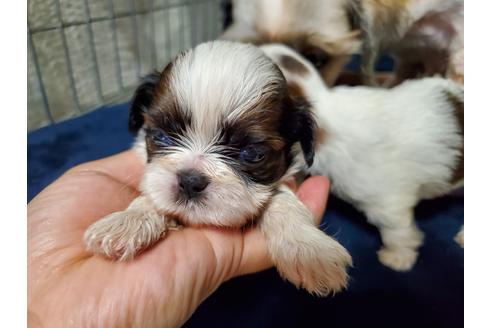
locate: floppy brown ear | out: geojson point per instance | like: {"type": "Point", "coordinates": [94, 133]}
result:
{"type": "Point", "coordinates": [142, 99]}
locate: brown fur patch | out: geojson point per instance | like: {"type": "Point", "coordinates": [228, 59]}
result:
{"type": "Point", "coordinates": [296, 91]}
{"type": "Point", "coordinates": [260, 125]}
{"type": "Point", "coordinates": [331, 72]}
{"type": "Point", "coordinates": [425, 48]}
{"type": "Point", "coordinates": [458, 105]}
{"type": "Point", "coordinates": [321, 136]}
{"type": "Point", "coordinates": [271, 126]}
{"type": "Point", "coordinates": [293, 65]}
{"type": "Point", "coordinates": [165, 112]}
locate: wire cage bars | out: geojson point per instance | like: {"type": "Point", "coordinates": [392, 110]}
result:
{"type": "Point", "coordinates": [83, 54]}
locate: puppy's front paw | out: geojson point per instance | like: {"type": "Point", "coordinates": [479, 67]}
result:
{"type": "Point", "coordinates": [318, 264]}
{"type": "Point", "coordinates": [460, 238]}
{"type": "Point", "coordinates": [122, 235]}
{"type": "Point", "coordinates": [399, 259]}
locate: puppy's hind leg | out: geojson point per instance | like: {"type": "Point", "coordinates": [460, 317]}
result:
{"type": "Point", "coordinates": [400, 236]}
{"type": "Point", "coordinates": [122, 235]}
{"type": "Point", "coordinates": [302, 253]}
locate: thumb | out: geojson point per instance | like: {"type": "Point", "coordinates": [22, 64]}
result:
{"type": "Point", "coordinates": [314, 194]}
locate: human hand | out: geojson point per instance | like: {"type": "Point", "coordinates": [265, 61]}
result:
{"type": "Point", "coordinates": [68, 286]}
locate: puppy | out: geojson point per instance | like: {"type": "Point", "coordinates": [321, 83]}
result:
{"type": "Point", "coordinates": [383, 149]}
{"type": "Point", "coordinates": [426, 37]}
{"type": "Point", "coordinates": [221, 134]}
{"type": "Point", "coordinates": [326, 32]}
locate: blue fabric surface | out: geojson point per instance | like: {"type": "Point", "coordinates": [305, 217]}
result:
{"type": "Point", "coordinates": [431, 295]}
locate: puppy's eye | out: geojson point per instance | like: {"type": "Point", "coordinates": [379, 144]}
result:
{"type": "Point", "coordinates": [161, 138]}
{"type": "Point", "coordinates": [253, 153]}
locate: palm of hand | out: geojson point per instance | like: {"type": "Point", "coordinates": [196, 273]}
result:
{"type": "Point", "coordinates": [163, 285]}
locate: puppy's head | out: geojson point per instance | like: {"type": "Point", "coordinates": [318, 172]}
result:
{"type": "Point", "coordinates": [221, 132]}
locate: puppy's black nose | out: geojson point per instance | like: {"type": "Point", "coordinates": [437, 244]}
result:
{"type": "Point", "coordinates": [191, 182]}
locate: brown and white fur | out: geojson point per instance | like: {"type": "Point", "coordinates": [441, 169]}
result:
{"type": "Point", "coordinates": [322, 31]}
{"type": "Point", "coordinates": [221, 134]}
{"type": "Point", "coordinates": [384, 149]}
{"type": "Point", "coordinates": [426, 37]}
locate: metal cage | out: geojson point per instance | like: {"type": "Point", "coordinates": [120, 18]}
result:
{"type": "Point", "coordinates": [83, 54]}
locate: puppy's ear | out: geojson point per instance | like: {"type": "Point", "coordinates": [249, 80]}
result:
{"type": "Point", "coordinates": [306, 130]}
{"type": "Point", "coordinates": [141, 100]}
{"type": "Point", "coordinates": [299, 124]}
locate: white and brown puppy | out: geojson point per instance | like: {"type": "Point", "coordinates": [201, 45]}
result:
{"type": "Point", "coordinates": [324, 31]}
{"type": "Point", "coordinates": [425, 36]}
{"type": "Point", "coordinates": [221, 134]}
{"type": "Point", "coordinates": [383, 149]}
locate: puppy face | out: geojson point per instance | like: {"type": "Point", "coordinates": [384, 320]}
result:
{"type": "Point", "coordinates": [220, 131]}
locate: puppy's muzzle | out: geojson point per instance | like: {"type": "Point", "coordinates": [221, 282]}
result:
{"type": "Point", "coordinates": [191, 183]}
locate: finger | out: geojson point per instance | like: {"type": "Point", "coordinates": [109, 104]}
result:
{"type": "Point", "coordinates": [255, 256]}
{"type": "Point", "coordinates": [292, 185]}
{"type": "Point", "coordinates": [314, 194]}
{"type": "Point", "coordinates": [126, 167]}
{"type": "Point", "coordinates": [78, 199]}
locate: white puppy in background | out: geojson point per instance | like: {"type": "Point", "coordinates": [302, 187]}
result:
{"type": "Point", "coordinates": [221, 134]}
{"type": "Point", "coordinates": [383, 149]}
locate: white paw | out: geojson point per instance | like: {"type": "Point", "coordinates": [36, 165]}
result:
{"type": "Point", "coordinates": [398, 259]}
{"type": "Point", "coordinates": [319, 266]}
{"type": "Point", "coordinates": [460, 238]}
{"type": "Point", "coordinates": [122, 235]}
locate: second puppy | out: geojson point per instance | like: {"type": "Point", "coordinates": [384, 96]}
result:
{"type": "Point", "coordinates": [384, 149]}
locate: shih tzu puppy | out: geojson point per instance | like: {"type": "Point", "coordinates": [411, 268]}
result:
{"type": "Point", "coordinates": [383, 149]}
{"type": "Point", "coordinates": [426, 37]}
{"type": "Point", "coordinates": [220, 134]}
{"type": "Point", "coordinates": [326, 32]}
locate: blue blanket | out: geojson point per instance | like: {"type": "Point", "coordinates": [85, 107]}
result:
{"type": "Point", "coordinates": [431, 295]}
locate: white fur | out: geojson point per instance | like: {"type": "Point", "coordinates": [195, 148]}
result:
{"type": "Point", "coordinates": [278, 18]}
{"type": "Point", "coordinates": [385, 149]}
{"type": "Point", "coordinates": [122, 235]}
{"type": "Point", "coordinates": [220, 79]}
{"type": "Point", "coordinates": [228, 201]}
{"type": "Point", "coordinates": [302, 253]}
